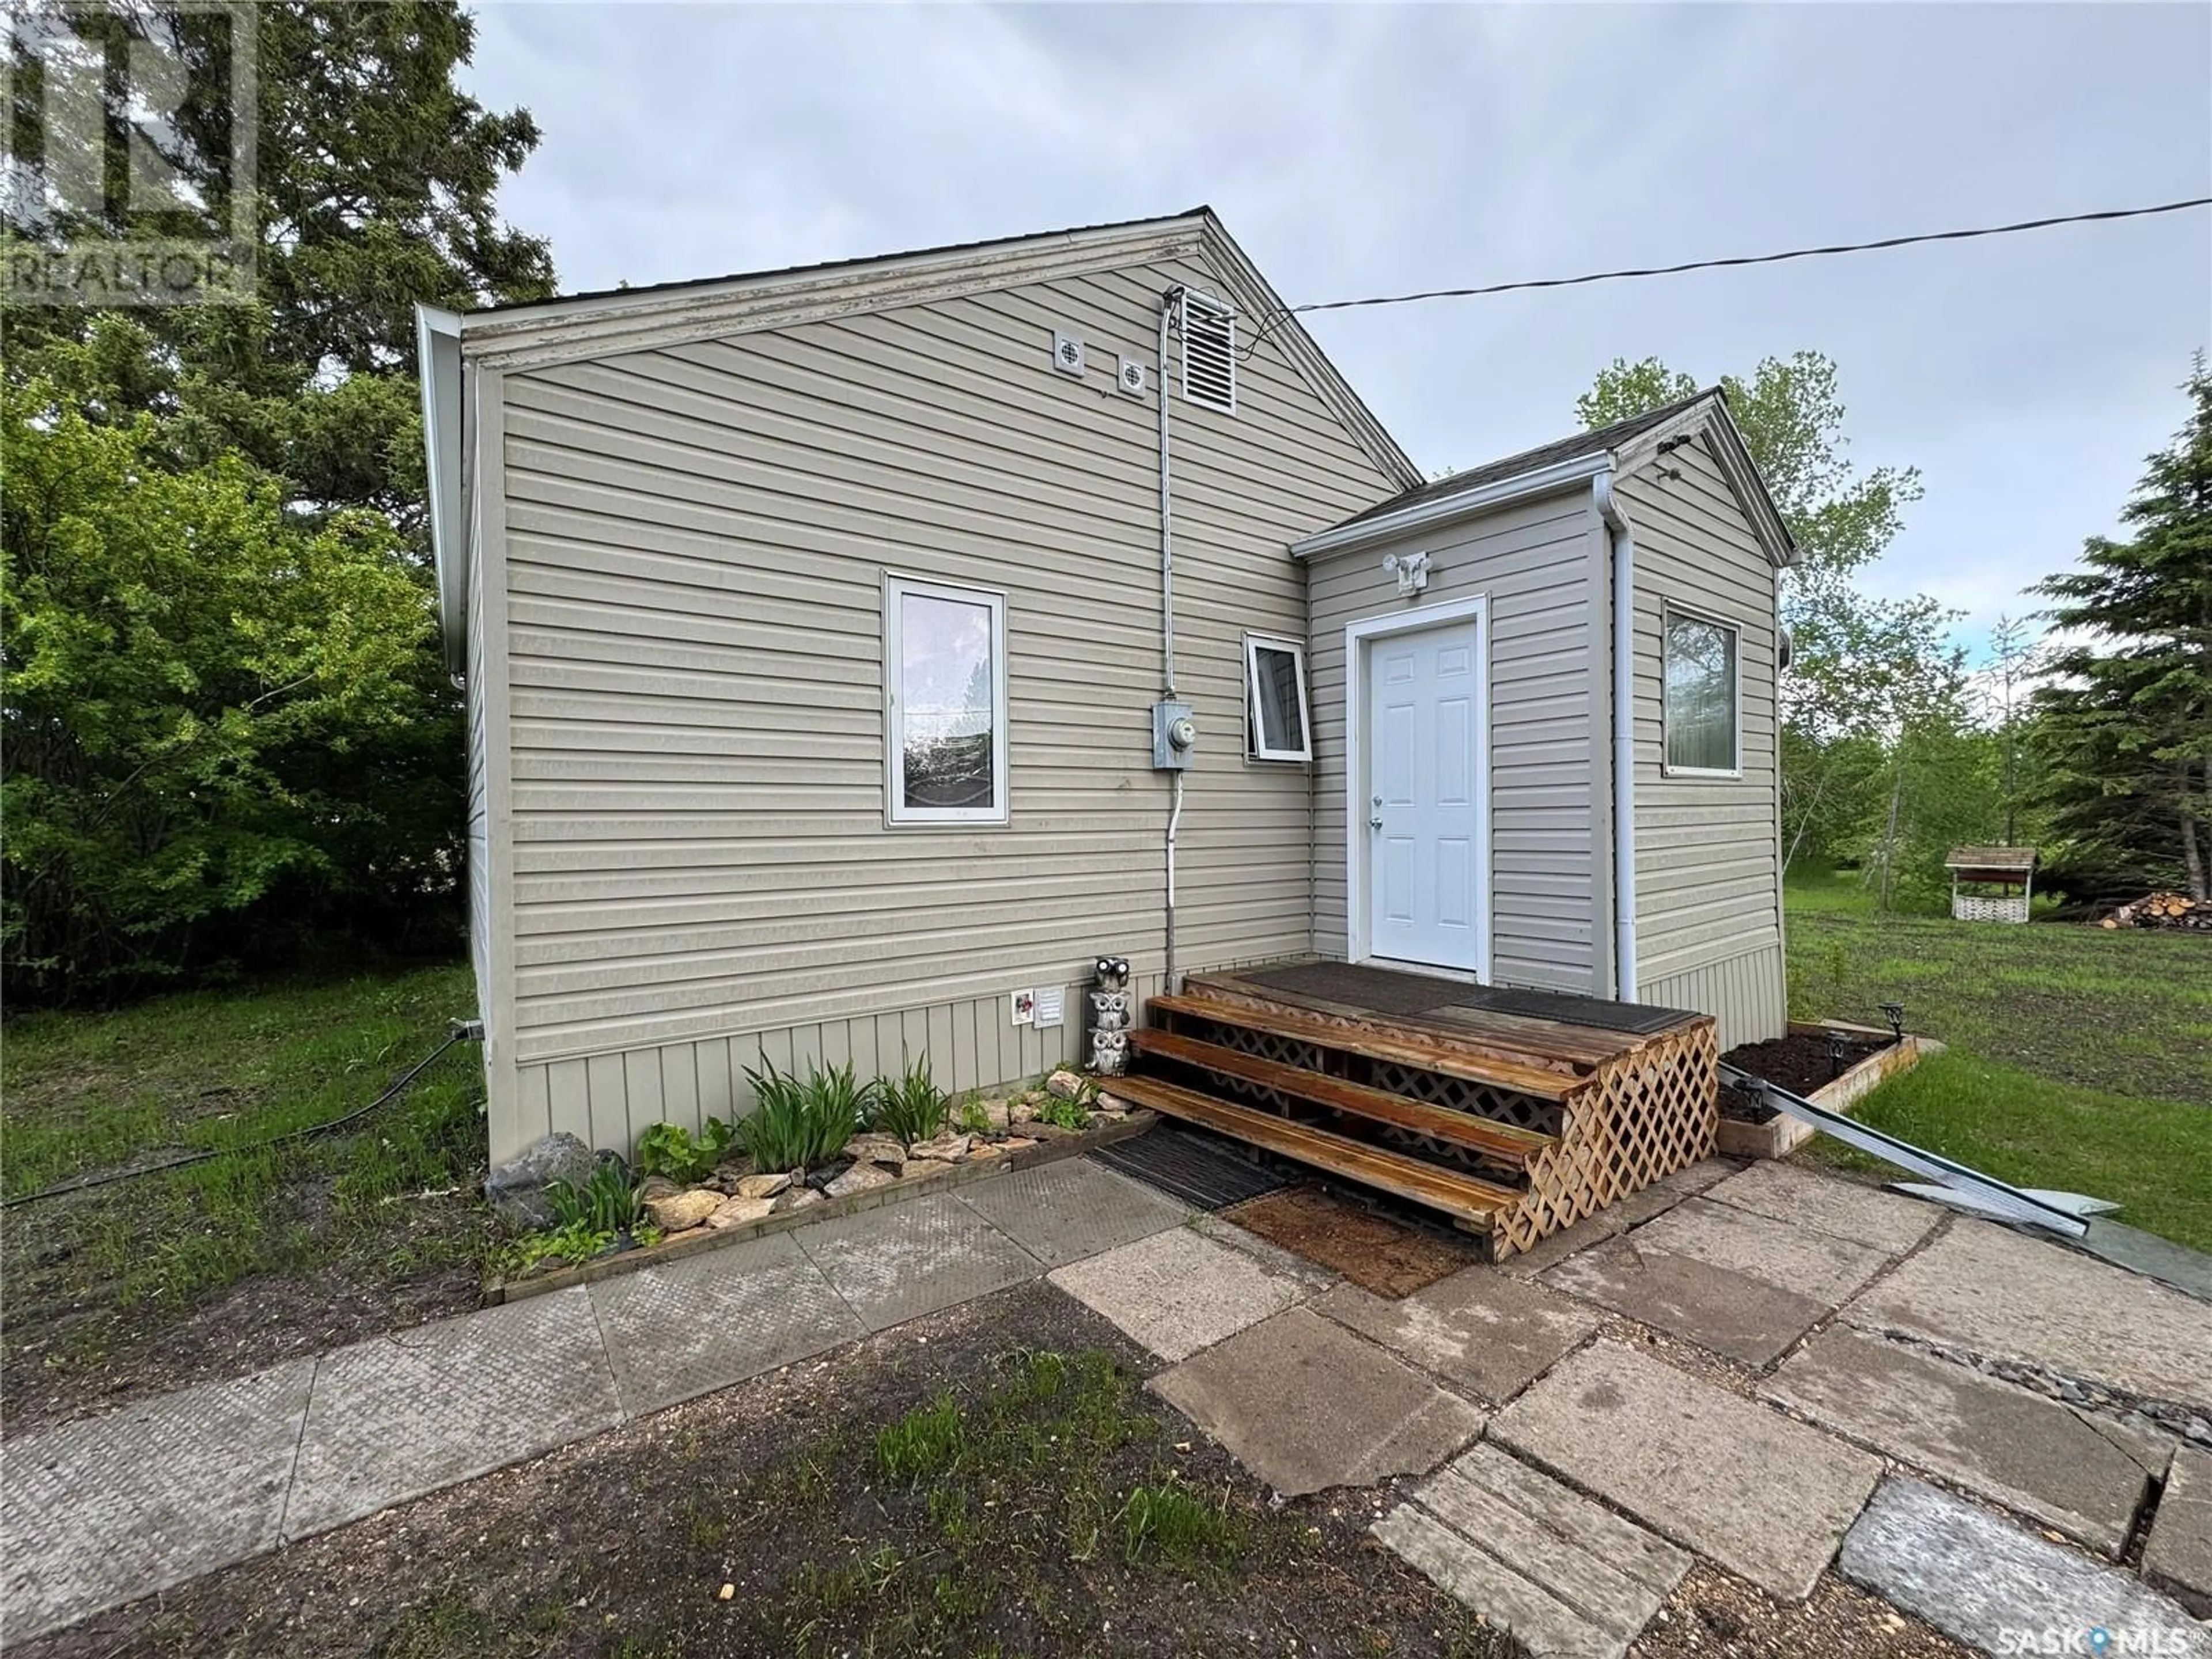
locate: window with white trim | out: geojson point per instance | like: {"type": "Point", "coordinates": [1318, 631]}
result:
{"type": "Point", "coordinates": [1276, 724]}
{"type": "Point", "coordinates": [1703, 708]}
{"type": "Point", "coordinates": [944, 703]}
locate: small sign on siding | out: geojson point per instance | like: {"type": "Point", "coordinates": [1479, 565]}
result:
{"type": "Point", "coordinates": [1051, 1005]}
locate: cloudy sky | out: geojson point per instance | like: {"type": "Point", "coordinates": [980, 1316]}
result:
{"type": "Point", "coordinates": [1359, 151]}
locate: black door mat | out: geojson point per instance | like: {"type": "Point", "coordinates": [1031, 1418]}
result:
{"type": "Point", "coordinates": [1388, 991]}
{"type": "Point", "coordinates": [1199, 1170]}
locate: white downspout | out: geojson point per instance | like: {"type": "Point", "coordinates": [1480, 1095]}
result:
{"type": "Point", "coordinates": [1167, 626]}
{"type": "Point", "coordinates": [1623, 535]}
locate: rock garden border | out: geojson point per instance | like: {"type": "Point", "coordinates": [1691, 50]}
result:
{"type": "Point", "coordinates": [1050, 1147]}
{"type": "Point", "coordinates": [1782, 1135]}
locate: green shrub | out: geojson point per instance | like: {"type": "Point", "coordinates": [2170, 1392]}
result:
{"type": "Point", "coordinates": [608, 1203]}
{"type": "Point", "coordinates": [796, 1125]}
{"type": "Point", "coordinates": [1067, 1114]}
{"type": "Point", "coordinates": [668, 1150]}
{"type": "Point", "coordinates": [910, 1107]}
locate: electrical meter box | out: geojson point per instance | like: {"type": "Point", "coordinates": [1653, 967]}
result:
{"type": "Point", "coordinates": [1175, 737]}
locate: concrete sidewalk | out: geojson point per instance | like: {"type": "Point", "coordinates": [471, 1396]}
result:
{"type": "Point", "coordinates": [104, 1510]}
{"type": "Point", "coordinates": [1761, 1369]}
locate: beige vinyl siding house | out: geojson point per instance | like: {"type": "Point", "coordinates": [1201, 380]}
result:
{"type": "Point", "coordinates": [690, 537]}
{"type": "Point", "coordinates": [1529, 539]}
{"type": "Point", "coordinates": [683, 584]}
{"type": "Point", "coordinates": [1708, 849]}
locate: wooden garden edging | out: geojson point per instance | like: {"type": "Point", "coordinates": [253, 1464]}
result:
{"type": "Point", "coordinates": [1782, 1135]}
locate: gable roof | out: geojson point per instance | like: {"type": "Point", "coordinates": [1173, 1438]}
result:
{"type": "Point", "coordinates": [1568, 461]}
{"type": "Point", "coordinates": [2011, 858]}
{"type": "Point", "coordinates": [579, 327]}
{"type": "Point", "coordinates": [608, 321]}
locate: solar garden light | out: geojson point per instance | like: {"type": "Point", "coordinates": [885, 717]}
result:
{"type": "Point", "coordinates": [1894, 1013]}
{"type": "Point", "coordinates": [1835, 1055]}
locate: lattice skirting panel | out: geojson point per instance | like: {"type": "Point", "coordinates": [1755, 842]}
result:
{"type": "Point", "coordinates": [1646, 1115]}
{"type": "Point", "coordinates": [1970, 907]}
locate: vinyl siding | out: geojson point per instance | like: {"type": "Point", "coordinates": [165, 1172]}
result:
{"type": "Point", "coordinates": [695, 542]}
{"type": "Point", "coordinates": [476, 699]}
{"type": "Point", "coordinates": [1708, 887]}
{"type": "Point", "coordinates": [609, 1099]}
{"type": "Point", "coordinates": [1534, 561]}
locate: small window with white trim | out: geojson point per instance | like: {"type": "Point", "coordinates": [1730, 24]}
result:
{"type": "Point", "coordinates": [1703, 708]}
{"type": "Point", "coordinates": [944, 703]}
{"type": "Point", "coordinates": [1275, 718]}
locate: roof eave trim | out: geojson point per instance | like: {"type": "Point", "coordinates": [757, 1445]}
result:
{"type": "Point", "coordinates": [438, 368]}
{"type": "Point", "coordinates": [1462, 504]}
{"type": "Point", "coordinates": [1733, 456]}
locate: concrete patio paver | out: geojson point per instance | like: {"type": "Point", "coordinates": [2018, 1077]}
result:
{"type": "Point", "coordinates": [2017, 1448]}
{"type": "Point", "coordinates": [1305, 1405]}
{"type": "Point", "coordinates": [1061, 1212]}
{"type": "Point", "coordinates": [404, 1414]}
{"type": "Point", "coordinates": [1819, 1266]}
{"type": "Point", "coordinates": [1479, 1330]}
{"type": "Point", "coordinates": [1997, 1293]}
{"type": "Point", "coordinates": [904, 1260]}
{"type": "Point", "coordinates": [1866, 1215]}
{"type": "Point", "coordinates": [1177, 1293]}
{"type": "Point", "coordinates": [110, 1508]}
{"type": "Point", "coordinates": [1730, 1313]}
{"type": "Point", "coordinates": [690, 1326]}
{"type": "Point", "coordinates": [2177, 1556]}
{"type": "Point", "coordinates": [1765, 1498]}
{"type": "Point", "coordinates": [1633, 1211]}
{"type": "Point", "coordinates": [2004, 1589]}
{"type": "Point", "coordinates": [1566, 1576]}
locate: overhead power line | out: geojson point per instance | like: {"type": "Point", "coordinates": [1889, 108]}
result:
{"type": "Point", "coordinates": [1960, 235]}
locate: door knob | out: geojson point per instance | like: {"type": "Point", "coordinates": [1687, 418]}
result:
{"type": "Point", "coordinates": [1374, 813]}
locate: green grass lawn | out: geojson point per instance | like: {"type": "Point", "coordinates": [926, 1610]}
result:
{"type": "Point", "coordinates": [2079, 1059]}
{"type": "Point", "coordinates": [109, 1281]}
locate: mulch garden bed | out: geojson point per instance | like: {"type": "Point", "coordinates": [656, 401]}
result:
{"type": "Point", "coordinates": [993, 1480]}
{"type": "Point", "coordinates": [1388, 1257]}
{"type": "Point", "coordinates": [1800, 1062]}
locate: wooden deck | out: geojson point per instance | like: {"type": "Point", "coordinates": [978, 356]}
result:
{"type": "Point", "coordinates": [1514, 1113]}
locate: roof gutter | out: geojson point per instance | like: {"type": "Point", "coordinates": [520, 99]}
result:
{"type": "Point", "coordinates": [438, 365]}
{"type": "Point", "coordinates": [1455, 505]}
{"type": "Point", "coordinates": [1622, 535]}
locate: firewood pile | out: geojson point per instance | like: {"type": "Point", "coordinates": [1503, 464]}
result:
{"type": "Point", "coordinates": [2163, 910]}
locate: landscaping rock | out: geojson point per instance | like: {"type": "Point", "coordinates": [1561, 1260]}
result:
{"type": "Point", "coordinates": [1016, 1143]}
{"type": "Point", "coordinates": [1044, 1131]}
{"type": "Point", "coordinates": [983, 1149]}
{"type": "Point", "coordinates": [878, 1149]}
{"type": "Point", "coordinates": [947, 1148]}
{"type": "Point", "coordinates": [658, 1187]}
{"type": "Point", "coordinates": [1065, 1084]}
{"type": "Point", "coordinates": [516, 1190]}
{"type": "Point", "coordinates": [1021, 1110]}
{"type": "Point", "coordinates": [860, 1178]}
{"type": "Point", "coordinates": [762, 1186]}
{"type": "Point", "coordinates": [681, 1212]}
{"type": "Point", "coordinates": [737, 1212]}
{"type": "Point", "coordinates": [997, 1113]}
{"type": "Point", "coordinates": [918, 1168]}
{"type": "Point", "coordinates": [796, 1198]}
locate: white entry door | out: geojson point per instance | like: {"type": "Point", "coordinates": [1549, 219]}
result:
{"type": "Point", "coordinates": [1422, 728]}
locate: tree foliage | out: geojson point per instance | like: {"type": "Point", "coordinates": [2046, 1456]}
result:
{"type": "Point", "coordinates": [275, 443]}
{"type": "Point", "coordinates": [2127, 725]}
{"type": "Point", "coordinates": [189, 670]}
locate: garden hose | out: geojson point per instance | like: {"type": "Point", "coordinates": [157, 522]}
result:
{"type": "Point", "coordinates": [462, 1032]}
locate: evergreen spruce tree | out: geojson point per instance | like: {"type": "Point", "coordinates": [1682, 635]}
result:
{"type": "Point", "coordinates": [2128, 726]}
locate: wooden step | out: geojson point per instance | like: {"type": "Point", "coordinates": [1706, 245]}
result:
{"type": "Point", "coordinates": [1470, 1202]}
{"type": "Point", "coordinates": [1422, 1053]}
{"type": "Point", "coordinates": [1501, 1142]}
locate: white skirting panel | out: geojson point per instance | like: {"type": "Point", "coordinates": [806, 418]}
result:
{"type": "Point", "coordinates": [1746, 993]}
{"type": "Point", "coordinates": [608, 1100]}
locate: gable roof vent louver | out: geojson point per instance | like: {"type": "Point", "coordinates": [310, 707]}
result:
{"type": "Point", "coordinates": [1209, 353]}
